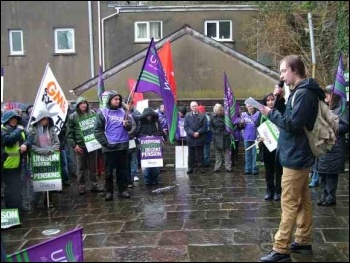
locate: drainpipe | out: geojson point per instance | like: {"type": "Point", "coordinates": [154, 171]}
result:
{"type": "Point", "coordinates": [99, 32]}
{"type": "Point", "coordinates": [91, 42]}
{"type": "Point", "coordinates": [103, 35]}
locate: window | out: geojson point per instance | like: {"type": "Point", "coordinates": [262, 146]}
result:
{"type": "Point", "coordinates": [144, 31]}
{"type": "Point", "coordinates": [64, 40]}
{"type": "Point", "coordinates": [16, 42]}
{"type": "Point", "coordinates": [219, 30]}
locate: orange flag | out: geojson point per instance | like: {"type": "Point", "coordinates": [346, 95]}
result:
{"type": "Point", "coordinates": [136, 96]}
{"type": "Point", "coordinates": [165, 56]}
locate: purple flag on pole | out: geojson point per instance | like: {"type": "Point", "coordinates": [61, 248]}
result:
{"type": "Point", "coordinates": [339, 86]}
{"type": "Point", "coordinates": [152, 78]}
{"type": "Point", "coordinates": [231, 107]}
{"type": "Point", "coordinates": [65, 248]}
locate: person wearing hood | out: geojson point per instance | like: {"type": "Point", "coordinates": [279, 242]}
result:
{"type": "Point", "coordinates": [330, 165]}
{"type": "Point", "coordinates": [149, 125]}
{"type": "Point", "coordinates": [85, 161]}
{"type": "Point", "coordinates": [111, 131]}
{"type": "Point", "coordinates": [296, 158]}
{"type": "Point", "coordinates": [45, 141]}
{"type": "Point", "coordinates": [17, 144]}
{"type": "Point", "coordinates": [26, 117]}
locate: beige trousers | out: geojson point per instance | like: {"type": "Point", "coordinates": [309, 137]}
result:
{"type": "Point", "coordinates": [296, 210]}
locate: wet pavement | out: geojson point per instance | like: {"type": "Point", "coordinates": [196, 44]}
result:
{"type": "Point", "coordinates": [206, 217]}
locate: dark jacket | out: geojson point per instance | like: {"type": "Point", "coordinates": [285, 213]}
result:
{"type": "Point", "coordinates": [221, 138]}
{"type": "Point", "coordinates": [100, 128]}
{"type": "Point", "coordinates": [195, 123]}
{"type": "Point", "coordinates": [333, 162]}
{"type": "Point", "coordinates": [149, 128]}
{"type": "Point", "coordinates": [293, 145]}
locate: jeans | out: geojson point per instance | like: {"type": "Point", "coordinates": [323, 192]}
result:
{"type": "Point", "coordinates": [206, 154]}
{"type": "Point", "coordinates": [151, 175]}
{"type": "Point", "coordinates": [64, 165]}
{"type": "Point", "coordinates": [329, 185]}
{"type": "Point", "coordinates": [250, 158]}
{"type": "Point", "coordinates": [134, 163]}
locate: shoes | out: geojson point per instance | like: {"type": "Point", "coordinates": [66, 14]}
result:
{"type": "Point", "coordinates": [23, 210]}
{"type": "Point", "coordinates": [156, 183]}
{"type": "Point", "coordinates": [216, 171]}
{"type": "Point", "coordinates": [95, 190]}
{"type": "Point", "coordinates": [327, 203]}
{"type": "Point", "coordinates": [228, 170]}
{"type": "Point", "coordinates": [268, 196]}
{"type": "Point", "coordinates": [130, 186]}
{"type": "Point", "coordinates": [301, 249]}
{"type": "Point", "coordinates": [124, 194]}
{"type": "Point", "coordinates": [202, 171]}
{"type": "Point", "coordinates": [136, 178]}
{"type": "Point", "coordinates": [255, 173]}
{"type": "Point", "coordinates": [312, 185]}
{"type": "Point", "coordinates": [273, 256]}
{"type": "Point", "coordinates": [321, 200]}
{"type": "Point", "coordinates": [247, 173]}
{"type": "Point", "coordinates": [66, 183]}
{"type": "Point", "coordinates": [190, 171]}
{"type": "Point", "coordinates": [108, 197]}
{"type": "Point", "coordinates": [277, 197]}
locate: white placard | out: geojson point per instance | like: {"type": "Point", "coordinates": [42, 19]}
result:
{"type": "Point", "coordinates": [141, 105]}
{"type": "Point", "coordinates": [181, 157]}
{"type": "Point", "coordinates": [252, 102]}
{"type": "Point", "coordinates": [269, 132]}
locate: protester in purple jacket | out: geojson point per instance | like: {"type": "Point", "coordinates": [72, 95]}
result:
{"type": "Point", "coordinates": [111, 131]}
{"type": "Point", "coordinates": [249, 122]}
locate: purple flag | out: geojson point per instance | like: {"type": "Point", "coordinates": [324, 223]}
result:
{"type": "Point", "coordinates": [65, 248]}
{"type": "Point", "coordinates": [339, 86]}
{"type": "Point", "coordinates": [231, 107]}
{"type": "Point", "coordinates": [100, 87]}
{"type": "Point", "coordinates": [152, 78]}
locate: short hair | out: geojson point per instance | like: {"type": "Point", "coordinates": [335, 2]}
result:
{"type": "Point", "coordinates": [217, 107]}
{"type": "Point", "coordinates": [295, 63]}
{"type": "Point", "coordinates": [192, 104]}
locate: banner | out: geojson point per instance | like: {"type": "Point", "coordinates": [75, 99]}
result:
{"type": "Point", "coordinates": [181, 157]}
{"type": "Point", "coordinates": [166, 57]}
{"type": "Point", "coordinates": [104, 99]}
{"type": "Point", "coordinates": [141, 105]}
{"type": "Point", "coordinates": [136, 96]}
{"type": "Point", "coordinates": [270, 133]}
{"type": "Point", "coordinates": [9, 218]}
{"type": "Point", "coordinates": [65, 248]}
{"type": "Point", "coordinates": [50, 96]}
{"type": "Point", "coordinates": [87, 127]}
{"type": "Point", "coordinates": [153, 78]}
{"type": "Point", "coordinates": [46, 172]}
{"type": "Point", "coordinates": [151, 151]}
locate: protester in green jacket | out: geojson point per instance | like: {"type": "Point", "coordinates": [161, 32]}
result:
{"type": "Point", "coordinates": [86, 161]}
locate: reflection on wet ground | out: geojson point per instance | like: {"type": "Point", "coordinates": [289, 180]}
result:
{"type": "Point", "coordinates": [206, 217]}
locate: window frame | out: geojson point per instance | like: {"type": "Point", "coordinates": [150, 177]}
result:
{"type": "Point", "coordinates": [64, 51]}
{"type": "Point", "coordinates": [148, 38]}
{"type": "Point", "coordinates": [217, 22]}
{"type": "Point", "coordinates": [12, 52]}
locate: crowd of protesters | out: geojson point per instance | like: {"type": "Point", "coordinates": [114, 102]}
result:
{"type": "Point", "coordinates": [289, 170]}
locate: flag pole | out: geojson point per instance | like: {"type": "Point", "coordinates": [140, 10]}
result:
{"type": "Point", "coordinates": [37, 96]}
